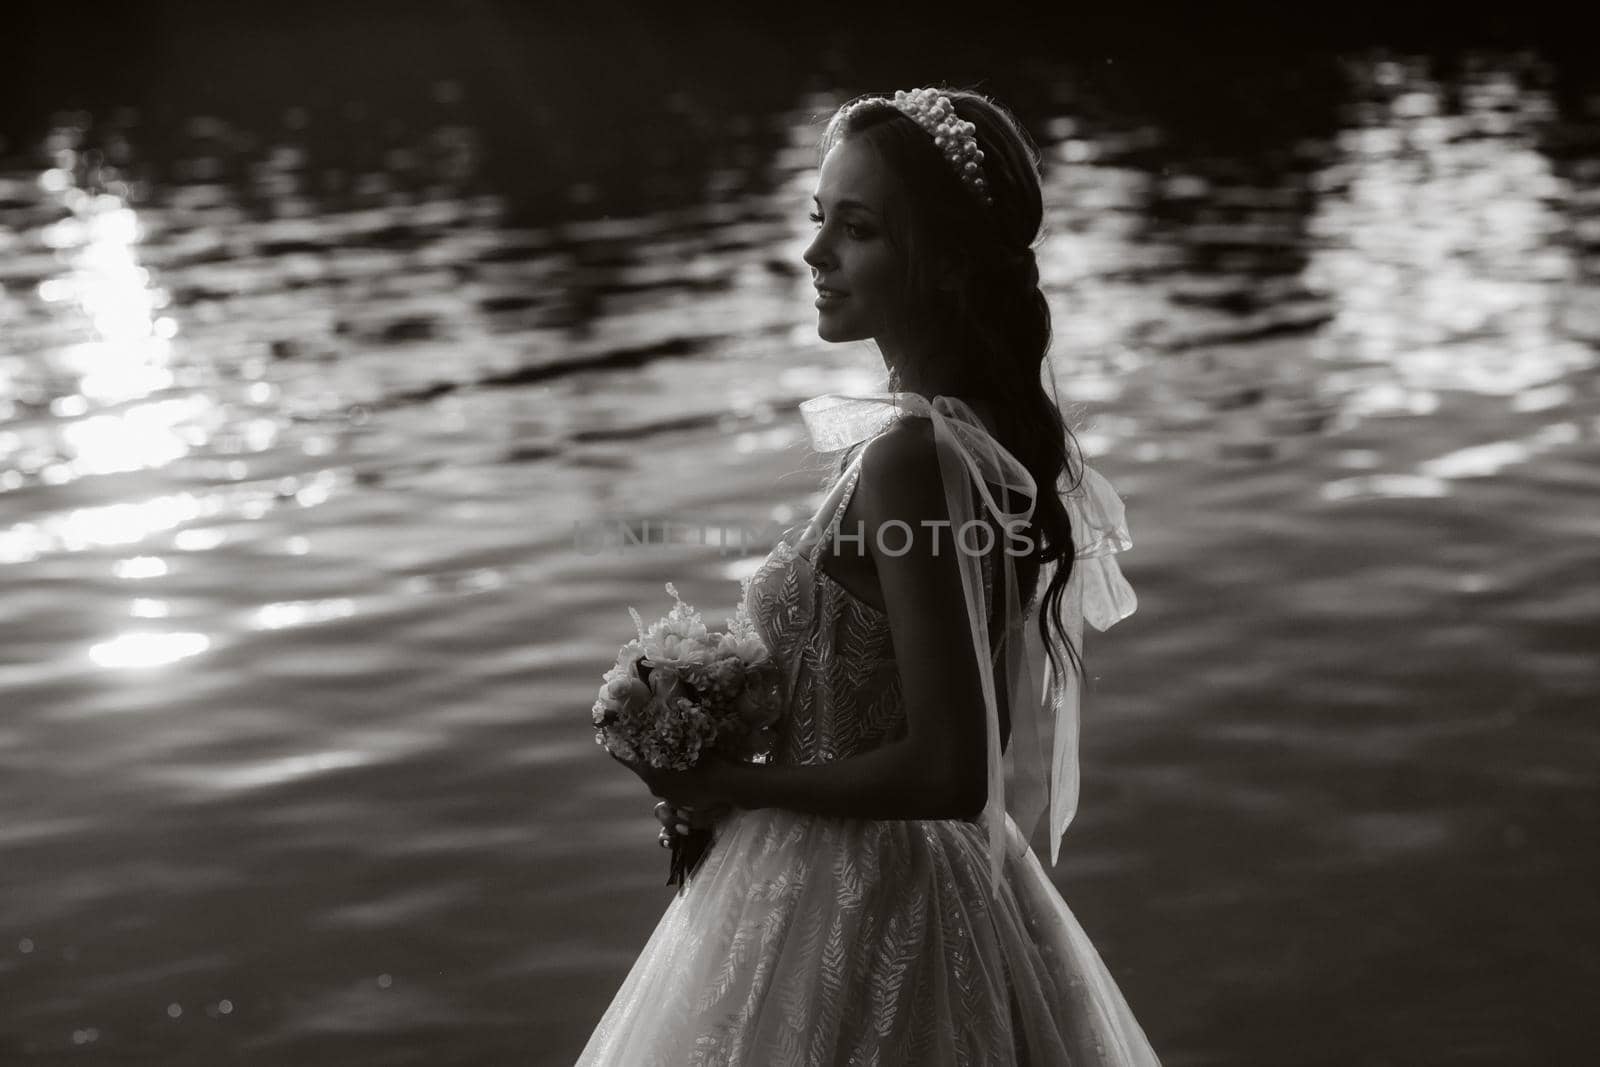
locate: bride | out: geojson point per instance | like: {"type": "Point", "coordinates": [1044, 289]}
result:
{"type": "Point", "coordinates": [870, 896]}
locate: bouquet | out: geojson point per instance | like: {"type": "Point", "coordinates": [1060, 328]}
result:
{"type": "Point", "coordinates": [678, 692]}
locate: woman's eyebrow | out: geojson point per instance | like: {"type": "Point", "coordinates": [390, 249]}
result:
{"type": "Point", "coordinates": [847, 203]}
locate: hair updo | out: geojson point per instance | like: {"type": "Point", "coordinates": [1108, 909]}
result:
{"type": "Point", "coordinates": [980, 325]}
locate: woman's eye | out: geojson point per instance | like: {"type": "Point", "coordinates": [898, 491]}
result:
{"type": "Point", "coordinates": [856, 232]}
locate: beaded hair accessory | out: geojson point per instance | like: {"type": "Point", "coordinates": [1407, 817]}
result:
{"type": "Point", "coordinates": [933, 111]}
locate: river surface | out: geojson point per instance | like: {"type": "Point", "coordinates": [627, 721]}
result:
{"type": "Point", "coordinates": [304, 396]}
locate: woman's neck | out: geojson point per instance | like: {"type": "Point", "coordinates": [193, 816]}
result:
{"type": "Point", "coordinates": [928, 386]}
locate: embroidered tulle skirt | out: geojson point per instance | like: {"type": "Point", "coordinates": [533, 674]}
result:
{"type": "Point", "coordinates": [813, 941]}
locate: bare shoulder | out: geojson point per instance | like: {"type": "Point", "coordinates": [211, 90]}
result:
{"type": "Point", "coordinates": [900, 476]}
{"type": "Point", "coordinates": [907, 437]}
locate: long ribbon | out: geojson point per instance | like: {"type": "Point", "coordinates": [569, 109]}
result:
{"type": "Point", "coordinates": [1040, 703]}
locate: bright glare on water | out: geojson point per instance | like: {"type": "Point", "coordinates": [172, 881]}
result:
{"type": "Point", "coordinates": [301, 416]}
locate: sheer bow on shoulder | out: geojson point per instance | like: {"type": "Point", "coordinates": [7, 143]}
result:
{"type": "Point", "coordinates": [1044, 708]}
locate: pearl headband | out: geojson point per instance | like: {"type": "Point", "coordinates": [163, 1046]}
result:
{"type": "Point", "coordinates": [954, 136]}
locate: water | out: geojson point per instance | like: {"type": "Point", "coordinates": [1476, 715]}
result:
{"type": "Point", "coordinates": [299, 406]}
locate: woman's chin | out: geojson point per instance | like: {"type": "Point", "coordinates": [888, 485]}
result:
{"type": "Point", "coordinates": [833, 333]}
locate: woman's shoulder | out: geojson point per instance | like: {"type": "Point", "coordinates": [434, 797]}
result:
{"type": "Point", "coordinates": [905, 452]}
{"type": "Point", "coordinates": [905, 436]}
{"type": "Point", "coordinates": [905, 445]}
{"type": "Point", "coordinates": [908, 443]}
{"type": "Point", "coordinates": [900, 473]}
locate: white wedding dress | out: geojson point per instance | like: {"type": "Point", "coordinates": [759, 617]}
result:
{"type": "Point", "coordinates": [816, 941]}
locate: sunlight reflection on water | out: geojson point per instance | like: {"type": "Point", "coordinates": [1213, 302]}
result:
{"type": "Point", "coordinates": [335, 434]}
{"type": "Point", "coordinates": [147, 649]}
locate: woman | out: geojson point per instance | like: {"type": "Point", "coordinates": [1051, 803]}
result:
{"type": "Point", "coordinates": [870, 896]}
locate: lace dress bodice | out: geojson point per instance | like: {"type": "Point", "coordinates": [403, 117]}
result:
{"type": "Point", "coordinates": [842, 693]}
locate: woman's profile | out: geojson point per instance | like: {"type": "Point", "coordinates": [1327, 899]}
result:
{"type": "Point", "coordinates": [870, 896]}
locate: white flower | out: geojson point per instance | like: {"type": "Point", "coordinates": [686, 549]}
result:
{"type": "Point", "coordinates": [706, 691]}
{"type": "Point", "coordinates": [747, 648]}
{"type": "Point", "coordinates": [627, 689]}
{"type": "Point", "coordinates": [628, 657]}
{"type": "Point", "coordinates": [685, 649]}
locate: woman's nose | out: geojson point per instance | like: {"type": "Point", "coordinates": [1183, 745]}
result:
{"type": "Point", "coordinates": [816, 254]}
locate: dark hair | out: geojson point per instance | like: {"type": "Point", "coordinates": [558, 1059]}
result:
{"type": "Point", "coordinates": [981, 325]}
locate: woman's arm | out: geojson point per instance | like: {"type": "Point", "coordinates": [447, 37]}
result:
{"type": "Point", "coordinates": [939, 770]}
{"type": "Point", "coordinates": [893, 781]}
{"type": "Point", "coordinates": [890, 782]}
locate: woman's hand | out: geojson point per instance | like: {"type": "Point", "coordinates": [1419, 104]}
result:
{"type": "Point", "coordinates": [681, 821]}
{"type": "Point", "coordinates": [700, 788]}
{"type": "Point", "coordinates": [695, 798]}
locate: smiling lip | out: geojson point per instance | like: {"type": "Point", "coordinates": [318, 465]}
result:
{"type": "Point", "coordinates": [828, 296]}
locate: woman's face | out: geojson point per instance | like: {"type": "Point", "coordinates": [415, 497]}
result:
{"type": "Point", "coordinates": [851, 255]}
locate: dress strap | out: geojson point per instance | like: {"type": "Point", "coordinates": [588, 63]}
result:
{"type": "Point", "coordinates": [1044, 706]}
{"type": "Point", "coordinates": [810, 541]}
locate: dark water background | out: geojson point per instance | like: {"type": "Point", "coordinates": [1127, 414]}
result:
{"type": "Point", "coordinates": [319, 330]}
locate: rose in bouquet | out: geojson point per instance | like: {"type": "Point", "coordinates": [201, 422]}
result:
{"type": "Point", "coordinates": [680, 692]}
